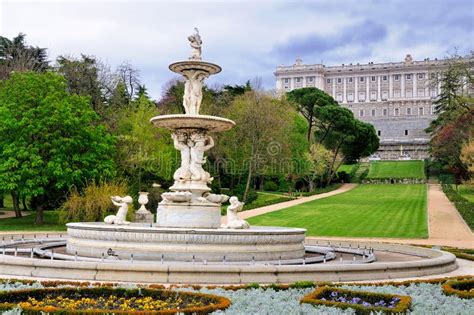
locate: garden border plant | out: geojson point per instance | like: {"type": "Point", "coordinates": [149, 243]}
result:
{"type": "Point", "coordinates": [12, 298]}
{"type": "Point", "coordinates": [462, 288]}
{"type": "Point", "coordinates": [318, 297]}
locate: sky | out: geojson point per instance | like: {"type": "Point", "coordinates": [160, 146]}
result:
{"type": "Point", "coordinates": [248, 39]}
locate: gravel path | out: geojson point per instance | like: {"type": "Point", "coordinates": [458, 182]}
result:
{"type": "Point", "coordinates": [10, 214]}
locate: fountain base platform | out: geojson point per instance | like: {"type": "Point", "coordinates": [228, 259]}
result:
{"type": "Point", "coordinates": [151, 242]}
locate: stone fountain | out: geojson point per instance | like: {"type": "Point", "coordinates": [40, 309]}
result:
{"type": "Point", "coordinates": [188, 225]}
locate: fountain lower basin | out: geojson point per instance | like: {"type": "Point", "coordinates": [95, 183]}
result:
{"type": "Point", "coordinates": [151, 242]}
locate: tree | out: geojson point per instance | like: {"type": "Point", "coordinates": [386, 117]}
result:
{"type": "Point", "coordinates": [467, 155]}
{"type": "Point", "coordinates": [16, 56]}
{"type": "Point", "coordinates": [258, 139]}
{"type": "Point", "coordinates": [50, 140]}
{"type": "Point", "coordinates": [82, 77]}
{"type": "Point", "coordinates": [307, 101]}
{"type": "Point", "coordinates": [129, 79]}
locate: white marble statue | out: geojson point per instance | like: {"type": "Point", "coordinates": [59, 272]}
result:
{"type": "Point", "coordinates": [196, 43]}
{"type": "Point", "coordinates": [181, 144]}
{"type": "Point", "coordinates": [121, 217]}
{"type": "Point", "coordinates": [192, 97]}
{"type": "Point", "coordinates": [197, 157]}
{"type": "Point", "coordinates": [233, 221]}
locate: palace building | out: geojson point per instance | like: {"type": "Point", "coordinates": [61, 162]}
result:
{"type": "Point", "coordinates": [395, 97]}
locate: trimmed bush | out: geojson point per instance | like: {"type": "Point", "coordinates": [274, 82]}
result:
{"type": "Point", "coordinates": [462, 288]}
{"type": "Point", "coordinates": [270, 186]}
{"type": "Point", "coordinates": [362, 302]}
{"type": "Point", "coordinates": [105, 300]}
{"type": "Point", "coordinates": [464, 206]}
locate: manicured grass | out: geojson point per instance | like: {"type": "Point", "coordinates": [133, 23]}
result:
{"type": "Point", "coordinates": [366, 211]}
{"type": "Point", "coordinates": [396, 169]}
{"type": "Point", "coordinates": [467, 191]}
{"type": "Point", "coordinates": [27, 223]}
{"type": "Point", "coordinates": [346, 168]}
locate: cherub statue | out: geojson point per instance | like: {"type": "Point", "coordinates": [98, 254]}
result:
{"type": "Point", "coordinates": [121, 217]}
{"type": "Point", "coordinates": [196, 42]}
{"type": "Point", "coordinates": [180, 144]}
{"type": "Point", "coordinates": [192, 97]}
{"type": "Point", "coordinates": [197, 157]}
{"type": "Point", "coordinates": [233, 221]}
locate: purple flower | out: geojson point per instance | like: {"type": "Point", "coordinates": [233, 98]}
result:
{"type": "Point", "coordinates": [365, 304]}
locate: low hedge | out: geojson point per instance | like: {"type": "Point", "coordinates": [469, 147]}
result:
{"type": "Point", "coordinates": [322, 296]}
{"type": "Point", "coordinates": [318, 191]}
{"type": "Point", "coordinates": [211, 303]}
{"type": "Point", "coordinates": [464, 206]}
{"type": "Point", "coordinates": [462, 288]}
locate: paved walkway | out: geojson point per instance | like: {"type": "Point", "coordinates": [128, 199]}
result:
{"type": "Point", "coordinates": [446, 226]}
{"type": "Point", "coordinates": [290, 203]}
{"type": "Point", "coordinates": [10, 214]}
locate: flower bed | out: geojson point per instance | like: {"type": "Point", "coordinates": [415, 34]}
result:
{"type": "Point", "coordinates": [462, 288]}
{"type": "Point", "coordinates": [362, 302]}
{"type": "Point", "coordinates": [103, 300]}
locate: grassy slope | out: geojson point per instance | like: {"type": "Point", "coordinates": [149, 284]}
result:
{"type": "Point", "coordinates": [396, 169]}
{"type": "Point", "coordinates": [366, 211]}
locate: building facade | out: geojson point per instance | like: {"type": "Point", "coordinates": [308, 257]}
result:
{"type": "Point", "coordinates": [395, 97]}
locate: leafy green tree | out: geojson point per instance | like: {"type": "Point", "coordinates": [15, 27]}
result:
{"type": "Point", "coordinates": [308, 100]}
{"type": "Point", "coordinates": [50, 140]}
{"type": "Point", "coordinates": [16, 56]}
{"type": "Point", "coordinates": [82, 76]}
{"type": "Point", "coordinates": [143, 151]}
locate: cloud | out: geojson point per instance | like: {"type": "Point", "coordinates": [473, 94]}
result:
{"type": "Point", "coordinates": [247, 38]}
{"type": "Point", "coordinates": [314, 44]}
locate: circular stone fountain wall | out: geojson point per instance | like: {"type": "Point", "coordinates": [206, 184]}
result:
{"type": "Point", "coordinates": [182, 244]}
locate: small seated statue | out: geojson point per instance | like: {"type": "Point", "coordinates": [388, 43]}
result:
{"type": "Point", "coordinates": [233, 221]}
{"type": "Point", "coordinates": [121, 217]}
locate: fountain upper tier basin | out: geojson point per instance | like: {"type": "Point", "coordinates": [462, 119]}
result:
{"type": "Point", "coordinates": [204, 122]}
{"type": "Point", "coordinates": [195, 65]}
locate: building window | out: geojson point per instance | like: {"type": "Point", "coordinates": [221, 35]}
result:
{"type": "Point", "coordinates": [361, 96]}
{"type": "Point", "coordinates": [408, 76]}
{"type": "Point", "coordinates": [350, 97]}
{"type": "Point", "coordinates": [406, 132]}
{"type": "Point", "coordinates": [384, 78]}
{"type": "Point", "coordinates": [361, 113]}
{"type": "Point", "coordinates": [409, 94]}
{"type": "Point", "coordinates": [408, 111]}
{"type": "Point", "coordinates": [350, 80]}
{"type": "Point", "coordinates": [328, 80]}
{"type": "Point", "coordinates": [373, 96]}
{"type": "Point", "coordinates": [396, 94]}
{"type": "Point", "coordinates": [339, 80]}
{"type": "Point", "coordinates": [385, 112]}
{"type": "Point", "coordinates": [397, 112]}
{"type": "Point", "coordinates": [298, 80]}
{"type": "Point", "coordinates": [379, 133]}
{"type": "Point", "coordinates": [396, 77]}
{"type": "Point", "coordinates": [373, 113]}
{"type": "Point", "coordinates": [421, 76]}
{"type": "Point", "coordinates": [421, 111]}
{"type": "Point", "coordinates": [433, 93]}
{"type": "Point", "coordinates": [433, 109]}
{"type": "Point", "coordinates": [286, 80]}
{"type": "Point", "coordinates": [339, 97]}
{"type": "Point", "coordinates": [361, 79]}
{"type": "Point", "coordinates": [373, 78]}
{"type": "Point", "coordinates": [433, 76]}
{"type": "Point", "coordinates": [311, 79]}
{"type": "Point", "coordinates": [384, 95]}
{"type": "Point", "coordinates": [421, 93]}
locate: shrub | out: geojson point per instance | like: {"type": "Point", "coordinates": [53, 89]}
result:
{"type": "Point", "coordinates": [93, 204]}
{"type": "Point", "coordinates": [462, 288]}
{"type": "Point", "coordinates": [465, 207]}
{"type": "Point", "coordinates": [362, 302]}
{"type": "Point", "coordinates": [270, 186]}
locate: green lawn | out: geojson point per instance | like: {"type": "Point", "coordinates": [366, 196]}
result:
{"type": "Point", "coordinates": [467, 191]}
{"type": "Point", "coordinates": [26, 223]}
{"type": "Point", "coordinates": [346, 168]}
{"type": "Point", "coordinates": [396, 169]}
{"type": "Point", "coordinates": [366, 211]}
